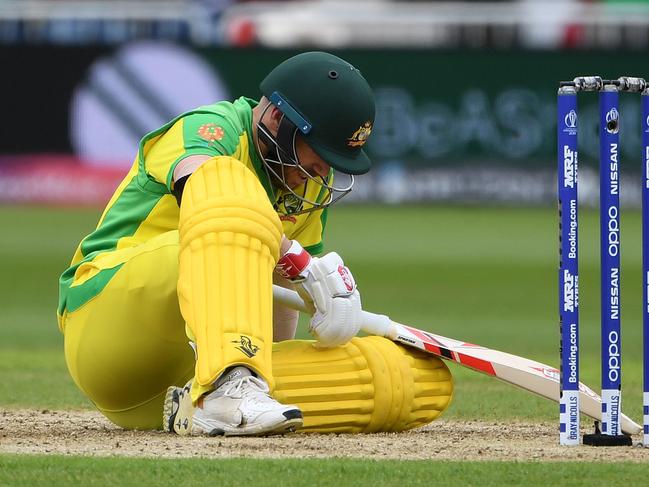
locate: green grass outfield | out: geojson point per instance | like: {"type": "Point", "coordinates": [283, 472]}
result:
{"type": "Point", "coordinates": [53, 471]}
{"type": "Point", "coordinates": [484, 275]}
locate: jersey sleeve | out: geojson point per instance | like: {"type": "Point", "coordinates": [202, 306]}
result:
{"type": "Point", "coordinates": [194, 134]}
{"type": "Point", "coordinates": [311, 233]}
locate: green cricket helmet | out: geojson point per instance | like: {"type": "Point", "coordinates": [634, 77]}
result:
{"type": "Point", "coordinates": [327, 101]}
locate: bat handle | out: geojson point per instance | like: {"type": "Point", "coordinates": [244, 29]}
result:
{"type": "Point", "coordinates": [371, 323]}
{"type": "Point", "coordinates": [289, 298]}
{"type": "Point", "coordinates": [375, 324]}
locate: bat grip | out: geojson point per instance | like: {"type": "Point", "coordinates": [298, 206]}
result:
{"type": "Point", "coordinates": [371, 323]}
{"type": "Point", "coordinates": [375, 324]}
{"type": "Point", "coordinates": [289, 298]}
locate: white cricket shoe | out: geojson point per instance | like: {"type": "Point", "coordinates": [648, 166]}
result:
{"type": "Point", "coordinates": [240, 405]}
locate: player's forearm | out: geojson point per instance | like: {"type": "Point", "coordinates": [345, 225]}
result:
{"type": "Point", "coordinates": [284, 319]}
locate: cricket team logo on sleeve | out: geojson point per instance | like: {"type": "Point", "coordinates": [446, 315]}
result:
{"type": "Point", "coordinates": [211, 132]}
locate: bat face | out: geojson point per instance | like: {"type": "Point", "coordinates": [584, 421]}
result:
{"type": "Point", "coordinates": [528, 374]}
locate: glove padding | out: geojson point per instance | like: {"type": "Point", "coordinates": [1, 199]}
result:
{"type": "Point", "coordinates": [329, 285]}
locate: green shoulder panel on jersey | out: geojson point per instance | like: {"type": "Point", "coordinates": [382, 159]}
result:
{"type": "Point", "coordinates": [209, 111]}
{"type": "Point", "coordinates": [121, 220]}
{"type": "Point", "coordinates": [213, 130]}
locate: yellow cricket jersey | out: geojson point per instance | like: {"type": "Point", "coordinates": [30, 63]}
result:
{"type": "Point", "coordinates": [143, 205]}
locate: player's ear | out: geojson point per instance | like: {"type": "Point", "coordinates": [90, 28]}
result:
{"type": "Point", "coordinates": [275, 118]}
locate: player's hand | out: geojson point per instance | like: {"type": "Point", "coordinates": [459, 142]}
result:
{"type": "Point", "coordinates": [328, 286]}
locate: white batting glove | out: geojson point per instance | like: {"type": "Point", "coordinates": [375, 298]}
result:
{"type": "Point", "coordinates": [328, 286]}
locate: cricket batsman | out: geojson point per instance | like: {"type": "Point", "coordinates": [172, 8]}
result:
{"type": "Point", "coordinates": [220, 203]}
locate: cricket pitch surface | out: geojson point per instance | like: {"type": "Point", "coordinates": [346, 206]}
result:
{"type": "Point", "coordinates": [29, 431]}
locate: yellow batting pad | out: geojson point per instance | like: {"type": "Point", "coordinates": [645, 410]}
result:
{"type": "Point", "coordinates": [229, 244]}
{"type": "Point", "coordinates": [367, 385]}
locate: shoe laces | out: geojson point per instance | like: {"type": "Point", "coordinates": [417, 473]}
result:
{"type": "Point", "coordinates": [247, 386]}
